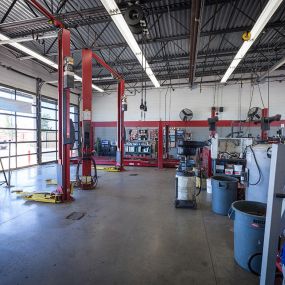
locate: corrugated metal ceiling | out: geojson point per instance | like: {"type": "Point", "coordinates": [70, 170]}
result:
{"type": "Point", "coordinates": [167, 45]}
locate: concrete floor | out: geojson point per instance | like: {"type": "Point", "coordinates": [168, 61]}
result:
{"type": "Point", "coordinates": [131, 234]}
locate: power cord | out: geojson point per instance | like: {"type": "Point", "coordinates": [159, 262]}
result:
{"type": "Point", "coordinates": [259, 171]}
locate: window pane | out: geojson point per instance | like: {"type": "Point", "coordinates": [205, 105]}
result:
{"type": "Point", "coordinates": [48, 135]}
{"type": "Point", "coordinates": [7, 93]}
{"type": "Point", "coordinates": [48, 125]}
{"type": "Point", "coordinates": [5, 162]}
{"type": "Point", "coordinates": [33, 114]}
{"type": "Point", "coordinates": [24, 135]}
{"type": "Point", "coordinates": [49, 104]}
{"type": "Point", "coordinates": [75, 126]}
{"type": "Point", "coordinates": [6, 135]}
{"type": "Point", "coordinates": [26, 160]}
{"type": "Point", "coordinates": [25, 97]}
{"type": "Point", "coordinates": [4, 149]}
{"type": "Point", "coordinates": [46, 157]}
{"type": "Point", "coordinates": [7, 121]}
{"type": "Point", "coordinates": [26, 148]}
{"type": "Point", "coordinates": [48, 146]}
{"type": "Point", "coordinates": [48, 114]}
{"type": "Point", "coordinates": [72, 117]}
{"type": "Point", "coordinates": [6, 112]}
{"type": "Point", "coordinates": [26, 123]}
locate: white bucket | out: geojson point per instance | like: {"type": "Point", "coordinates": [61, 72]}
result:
{"type": "Point", "coordinates": [186, 187]}
{"type": "Point", "coordinates": [209, 186]}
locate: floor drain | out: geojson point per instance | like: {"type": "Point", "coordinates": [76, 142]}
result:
{"type": "Point", "coordinates": [133, 174]}
{"type": "Point", "coordinates": [75, 216]}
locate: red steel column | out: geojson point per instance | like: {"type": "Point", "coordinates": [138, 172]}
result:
{"type": "Point", "coordinates": [122, 141]}
{"type": "Point", "coordinates": [264, 134]}
{"type": "Point", "coordinates": [63, 116]}
{"type": "Point", "coordinates": [120, 124]}
{"type": "Point", "coordinates": [87, 103]}
{"type": "Point", "coordinates": [160, 146]}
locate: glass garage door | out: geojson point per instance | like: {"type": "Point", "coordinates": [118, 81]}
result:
{"type": "Point", "coordinates": [49, 127]}
{"type": "Point", "coordinates": [18, 131]}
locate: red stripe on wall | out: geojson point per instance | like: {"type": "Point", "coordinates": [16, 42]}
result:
{"type": "Point", "coordinates": [180, 124]}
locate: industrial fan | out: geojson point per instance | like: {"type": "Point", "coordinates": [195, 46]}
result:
{"type": "Point", "coordinates": [186, 115]}
{"type": "Point", "coordinates": [254, 114]}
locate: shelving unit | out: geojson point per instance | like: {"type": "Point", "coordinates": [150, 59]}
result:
{"type": "Point", "coordinates": [138, 148]}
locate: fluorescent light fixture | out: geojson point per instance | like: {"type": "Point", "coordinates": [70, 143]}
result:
{"type": "Point", "coordinates": [259, 25]}
{"type": "Point", "coordinates": [78, 78]}
{"type": "Point", "coordinates": [102, 78]}
{"type": "Point", "coordinates": [27, 39]}
{"type": "Point", "coordinates": [117, 17]}
{"type": "Point", "coordinates": [41, 58]}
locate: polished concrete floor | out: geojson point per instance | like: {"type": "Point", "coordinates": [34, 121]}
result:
{"type": "Point", "coordinates": [130, 234]}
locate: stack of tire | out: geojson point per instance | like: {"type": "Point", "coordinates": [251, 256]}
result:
{"type": "Point", "coordinates": [134, 17]}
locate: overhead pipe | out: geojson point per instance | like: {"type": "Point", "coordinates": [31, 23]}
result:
{"type": "Point", "coordinates": [195, 25]}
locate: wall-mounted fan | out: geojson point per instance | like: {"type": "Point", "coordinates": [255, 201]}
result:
{"type": "Point", "coordinates": [254, 114]}
{"type": "Point", "coordinates": [186, 115]}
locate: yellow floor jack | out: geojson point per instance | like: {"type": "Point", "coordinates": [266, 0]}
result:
{"type": "Point", "coordinates": [108, 169]}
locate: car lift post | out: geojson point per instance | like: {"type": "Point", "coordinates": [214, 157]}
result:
{"type": "Point", "coordinates": [120, 123]}
{"type": "Point", "coordinates": [120, 126]}
{"type": "Point", "coordinates": [64, 186]}
{"type": "Point", "coordinates": [160, 146]}
{"type": "Point", "coordinates": [87, 106]}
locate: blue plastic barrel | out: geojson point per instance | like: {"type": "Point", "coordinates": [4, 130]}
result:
{"type": "Point", "coordinates": [249, 223]}
{"type": "Point", "coordinates": [224, 193]}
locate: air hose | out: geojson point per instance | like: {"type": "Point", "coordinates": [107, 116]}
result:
{"type": "Point", "coordinates": [257, 165]}
{"type": "Point", "coordinates": [249, 263]}
{"type": "Point", "coordinates": [94, 178]}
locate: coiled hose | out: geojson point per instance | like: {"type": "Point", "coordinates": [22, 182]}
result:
{"type": "Point", "coordinates": [94, 177]}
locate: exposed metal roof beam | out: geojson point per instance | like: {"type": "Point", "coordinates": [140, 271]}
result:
{"type": "Point", "coordinates": [280, 63]}
{"type": "Point", "coordinates": [211, 54]}
{"type": "Point", "coordinates": [195, 25]}
{"type": "Point", "coordinates": [8, 11]}
{"type": "Point", "coordinates": [99, 15]}
{"type": "Point", "coordinates": [84, 17]}
{"type": "Point", "coordinates": [248, 66]}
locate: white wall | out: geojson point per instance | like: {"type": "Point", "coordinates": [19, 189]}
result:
{"type": "Point", "coordinates": [234, 98]}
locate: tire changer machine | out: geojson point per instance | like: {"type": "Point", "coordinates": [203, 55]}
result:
{"type": "Point", "coordinates": [187, 172]}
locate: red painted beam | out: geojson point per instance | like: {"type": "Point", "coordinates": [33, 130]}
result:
{"type": "Point", "coordinates": [105, 65]}
{"type": "Point", "coordinates": [121, 125]}
{"type": "Point", "coordinates": [63, 116]}
{"type": "Point", "coordinates": [180, 124]}
{"type": "Point", "coordinates": [46, 13]}
{"type": "Point", "coordinates": [87, 103]}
